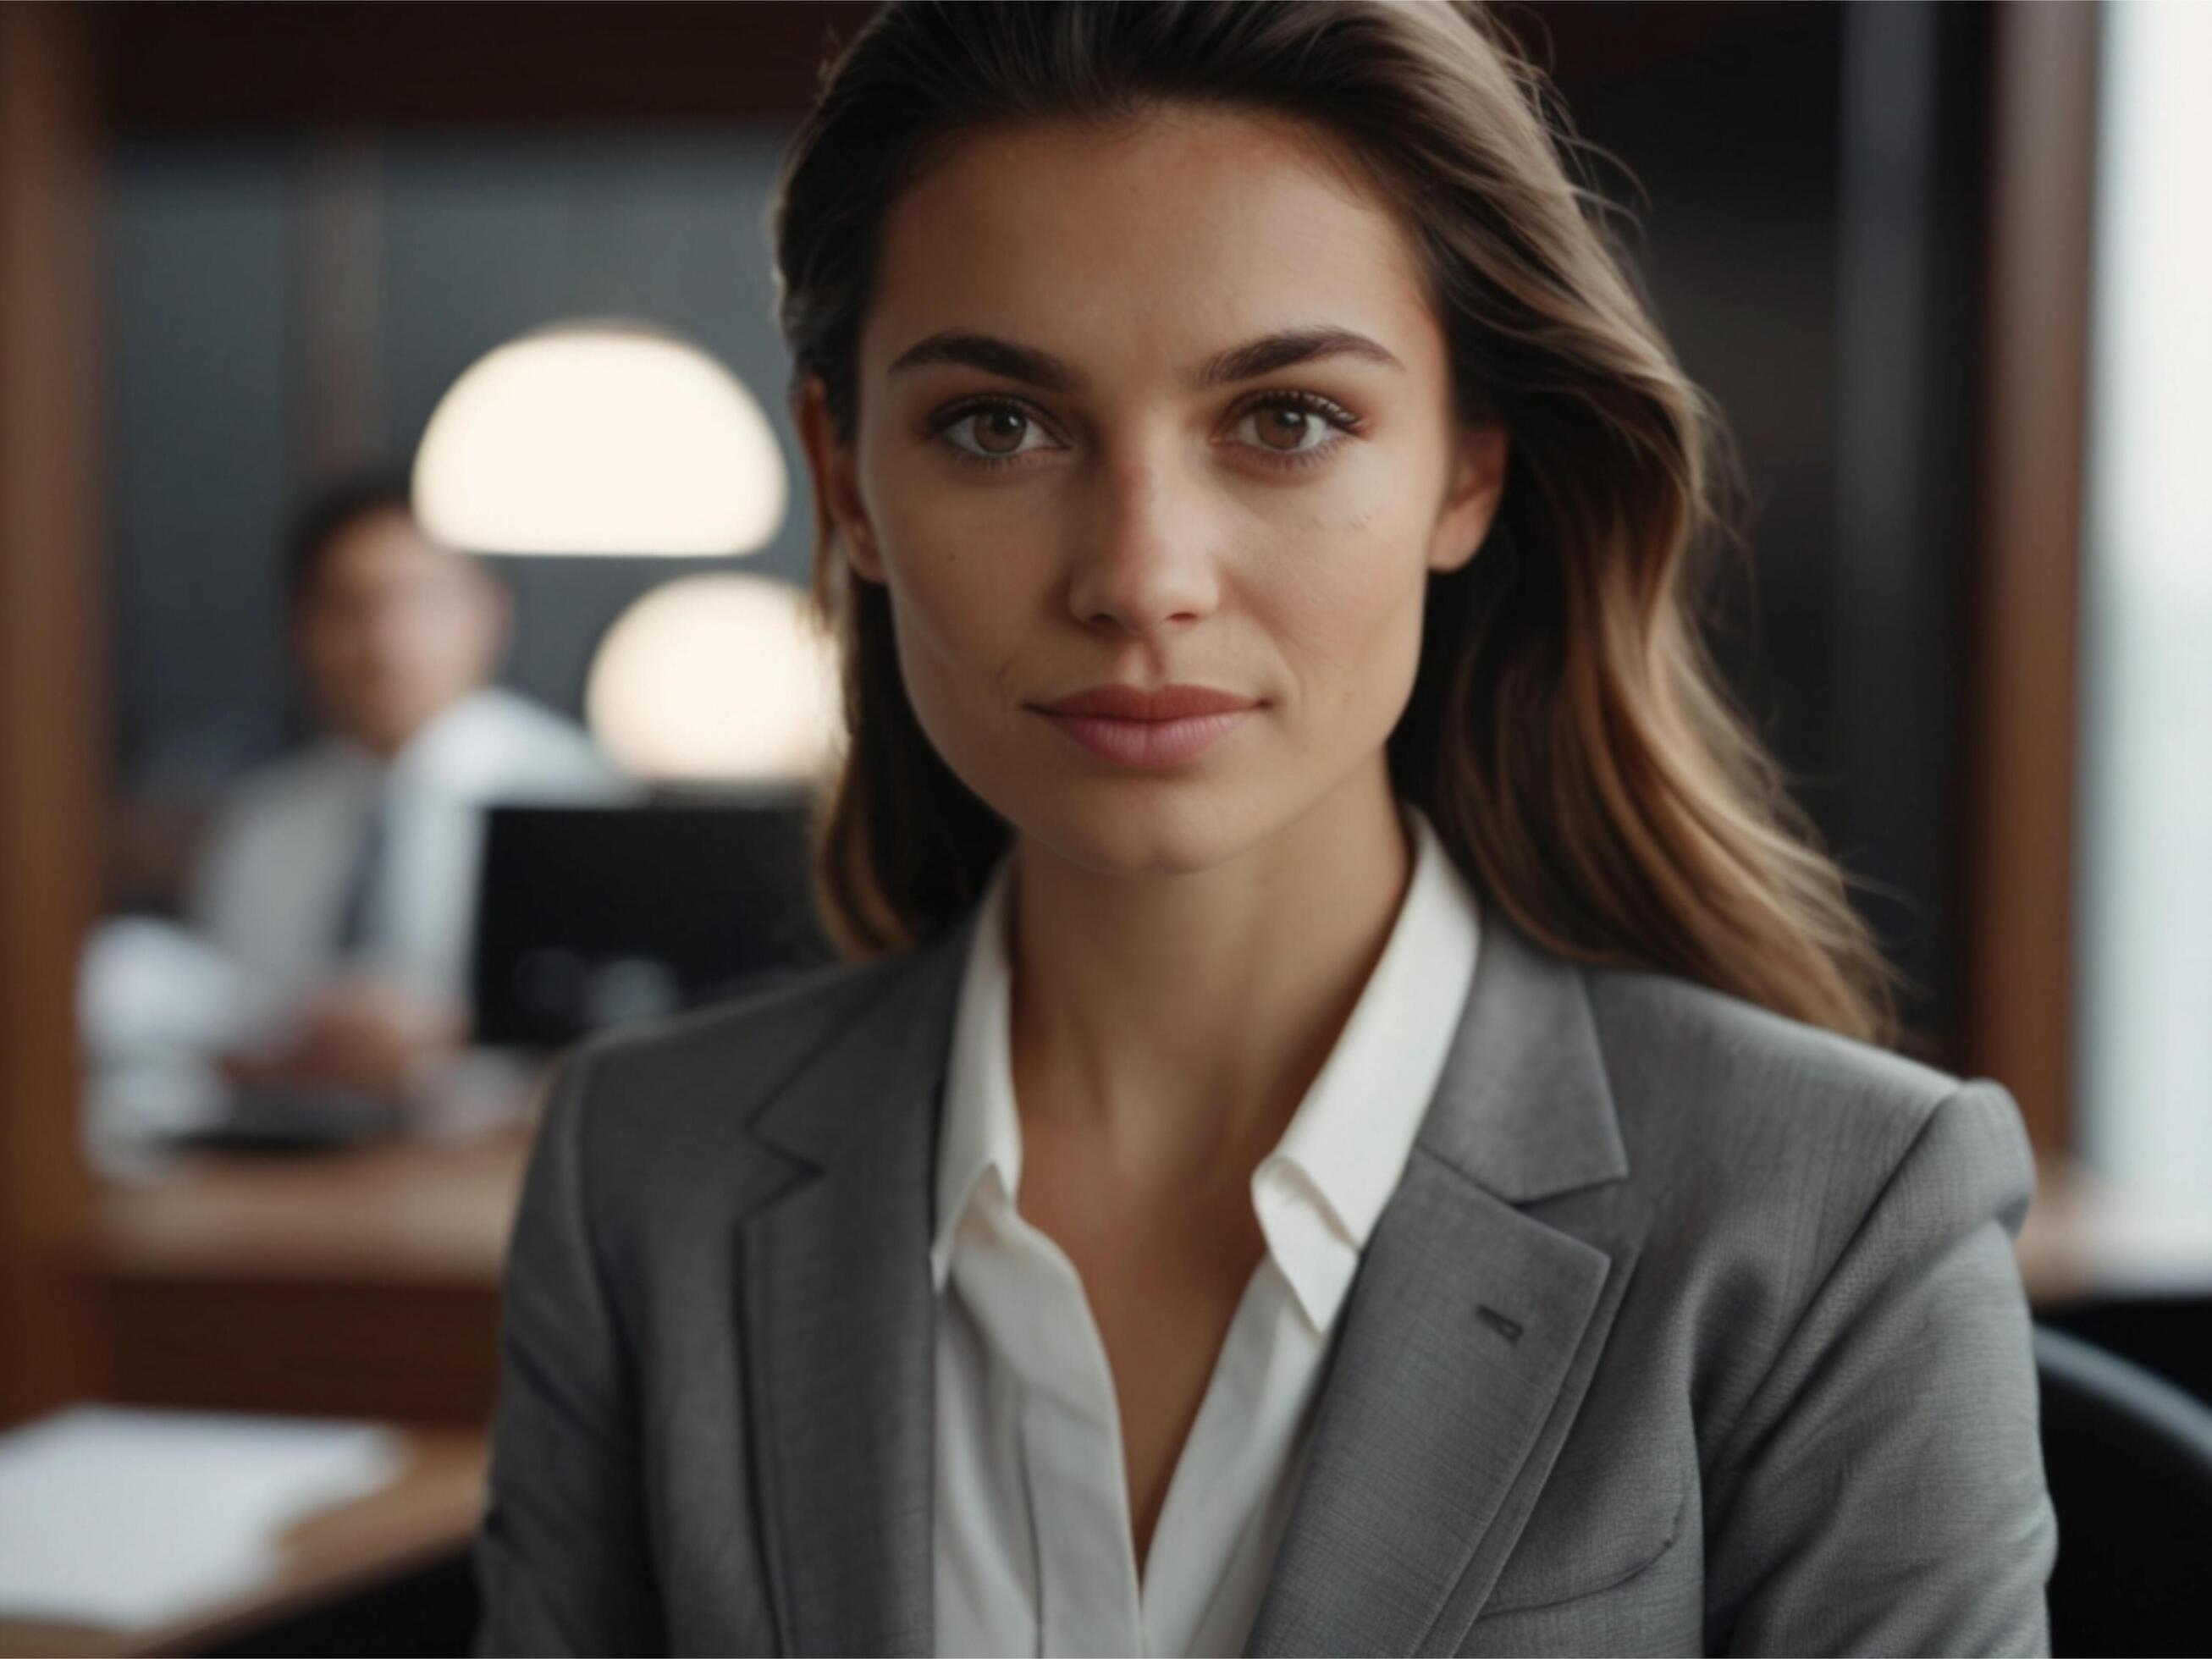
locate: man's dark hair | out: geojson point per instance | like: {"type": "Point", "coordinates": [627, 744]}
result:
{"type": "Point", "coordinates": [331, 508]}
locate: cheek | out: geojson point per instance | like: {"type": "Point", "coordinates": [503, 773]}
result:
{"type": "Point", "coordinates": [1349, 626]}
{"type": "Point", "coordinates": [935, 562]}
{"type": "Point", "coordinates": [960, 616]}
{"type": "Point", "coordinates": [944, 598]}
{"type": "Point", "coordinates": [349, 650]}
{"type": "Point", "coordinates": [457, 644]}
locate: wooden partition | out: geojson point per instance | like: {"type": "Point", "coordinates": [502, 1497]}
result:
{"type": "Point", "coordinates": [52, 737]}
{"type": "Point", "coordinates": [2020, 845]}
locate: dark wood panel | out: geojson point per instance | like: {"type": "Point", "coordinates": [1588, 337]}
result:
{"type": "Point", "coordinates": [50, 1344]}
{"type": "Point", "coordinates": [2029, 582]}
{"type": "Point", "coordinates": [238, 65]}
{"type": "Point", "coordinates": [181, 66]}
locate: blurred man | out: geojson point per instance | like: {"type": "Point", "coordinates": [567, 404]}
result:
{"type": "Point", "coordinates": [346, 874]}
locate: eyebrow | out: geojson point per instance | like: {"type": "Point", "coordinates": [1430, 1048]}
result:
{"type": "Point", "coordinates": [1264, 356]}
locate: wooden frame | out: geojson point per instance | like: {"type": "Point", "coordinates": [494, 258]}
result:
{"type": "Point", "coordinates": [51, 732]}
{"type": "Point", "coordinates": [2020, 1000]}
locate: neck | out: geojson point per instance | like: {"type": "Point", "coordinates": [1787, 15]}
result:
{"type": "Point", "coordinates": [1174, 1021]}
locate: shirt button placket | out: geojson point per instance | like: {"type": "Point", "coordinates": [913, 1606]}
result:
{"type": "Point", "coordinates": [1092, 1603]}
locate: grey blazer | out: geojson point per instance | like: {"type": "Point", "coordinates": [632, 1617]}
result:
{"type": "Point", "coordinates": [1689, 1329]}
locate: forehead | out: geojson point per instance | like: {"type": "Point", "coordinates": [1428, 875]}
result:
{"type": "Point", "coordinates": [377, 550]}
{"type": "Point", "coordinates": [1173, 236]}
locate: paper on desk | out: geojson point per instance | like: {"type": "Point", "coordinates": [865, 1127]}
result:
{"type": "Point", "coordinates": [155, 1004]}
{"type": "Point", "coordinates": [146, 985]}
{"type": "Point", "coordinates": [127, 1518]}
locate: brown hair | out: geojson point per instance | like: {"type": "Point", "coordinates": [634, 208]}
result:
{"type": "Point", "coordinates": [1567, 732]}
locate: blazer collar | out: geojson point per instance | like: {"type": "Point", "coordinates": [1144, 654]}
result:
{"type": "Point", "coordinates": [1471, 1333]}
{"type": "Point", "coordinates": [869, 1074]}
{"type": "Point", "coordinates": [1524, 1108]}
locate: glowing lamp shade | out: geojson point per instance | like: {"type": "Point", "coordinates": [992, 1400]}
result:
{"type": "Point", "coordinates": [717, 678]}
{"type": "Point", "coordinates": [600, 437]}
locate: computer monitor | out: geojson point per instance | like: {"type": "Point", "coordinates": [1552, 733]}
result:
{"type": "Point", "coordinates": [587, 916]}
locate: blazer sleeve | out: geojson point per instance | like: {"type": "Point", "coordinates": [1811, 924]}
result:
{"type": "Point", "coordinates": [1884, 1493]}
{"type": "Point", "coordinates": [561, 1558]}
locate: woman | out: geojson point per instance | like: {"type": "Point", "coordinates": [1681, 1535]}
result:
{"type": "Point", "coordinates": [1355, 1124]}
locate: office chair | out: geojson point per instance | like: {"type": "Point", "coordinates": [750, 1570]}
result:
{"type": "Point", "coordinates": [2168, 1332]}
{"type": "Point", "coordinates": [2129, 1459]}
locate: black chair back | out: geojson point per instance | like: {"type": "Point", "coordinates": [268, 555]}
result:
{"type": "Point", "coordinates": [2129, 1459]}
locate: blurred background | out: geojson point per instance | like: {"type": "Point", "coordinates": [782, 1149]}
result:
{"type": "Point", "coordinates": [317, 838]}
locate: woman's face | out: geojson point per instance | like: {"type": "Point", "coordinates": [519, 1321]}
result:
{"type": "Point", "coordinates": [1077, 465]}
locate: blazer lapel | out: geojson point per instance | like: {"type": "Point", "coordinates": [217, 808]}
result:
{"type": "Point", "coordinates": [1471, 1333]}
{"type": "Point", "coordinates": [838, 1324]}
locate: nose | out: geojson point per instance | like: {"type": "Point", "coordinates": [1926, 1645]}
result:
{"type": "Point", "coordinates": [1147, 563]}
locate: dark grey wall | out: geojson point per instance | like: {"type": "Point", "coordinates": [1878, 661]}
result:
{"type": "Point", "coordinates": [201, 403]}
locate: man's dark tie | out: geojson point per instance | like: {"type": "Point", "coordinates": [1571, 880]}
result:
{"type": "Point", "coordinates": [361, 882]}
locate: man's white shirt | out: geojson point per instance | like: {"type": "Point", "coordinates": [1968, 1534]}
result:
{"type": "Point", "coordinates": [1033, 1545]}
{"type": "Point", "coordinates": [269, 886]}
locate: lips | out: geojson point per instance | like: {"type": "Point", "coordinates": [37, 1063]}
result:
{"type": "Point", "coordinates": [1132, 727]}
{"type": "Point", "coordinates": [1169, 702]}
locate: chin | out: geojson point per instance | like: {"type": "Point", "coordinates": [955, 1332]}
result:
{"type": "Point", "coordinates": [388, 730]}
{"type": "Point", "coordinates": [1155, 828]}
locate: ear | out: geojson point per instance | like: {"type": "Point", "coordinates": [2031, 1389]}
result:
{"type": "Point", "coordinates": [838, 517]}
{"type": "Point", "coordinates": [1478, 485]}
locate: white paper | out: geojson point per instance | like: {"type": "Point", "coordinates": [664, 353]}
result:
{"type": "Point", "coordinates": [127, 1518]}
{"type": "Point", "coordinates": [149, 985]}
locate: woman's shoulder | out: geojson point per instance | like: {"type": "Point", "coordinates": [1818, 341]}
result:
{"type": "Point", "coordinates": [1649, 1018]}
{"type": "Point", "coordinates": [1828, 1281]}
{"type": "Point", "coordinates": [656, 1097]}
{"type": "Point", "coordinates": [783, 1015]}
{"type": "Point", "coordinates": [1733, 1105]}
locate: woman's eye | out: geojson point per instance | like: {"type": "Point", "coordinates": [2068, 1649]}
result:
{"type": "Point", "coordinates": [998, 430]}
{"type": "Point", "coordinates": [1296, 426]}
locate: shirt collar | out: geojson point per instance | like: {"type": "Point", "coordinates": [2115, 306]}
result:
{"type": "Point", "coordinates": [1319, 1193]}
{"type": "Point", "coordinates": [1322, 1190]}
{"type": "Point", "coordinates": [450, 745]}
{"type": "Point", "coordinates": [461, 747]}
{"type": "Point", "coordinates": [981, 1132]}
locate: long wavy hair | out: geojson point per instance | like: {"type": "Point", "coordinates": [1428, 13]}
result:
{"type": "Point", "coordinates": [1567, 733]}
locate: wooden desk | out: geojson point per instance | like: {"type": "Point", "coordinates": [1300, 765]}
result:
{"type": "Point", "coordinates": [429, 1512]}
{"type": "Point", "coordinates": [360, 1283]}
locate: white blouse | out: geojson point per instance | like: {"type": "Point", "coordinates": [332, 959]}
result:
{"type": "Point", "coordinates": [1034, 1549]}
